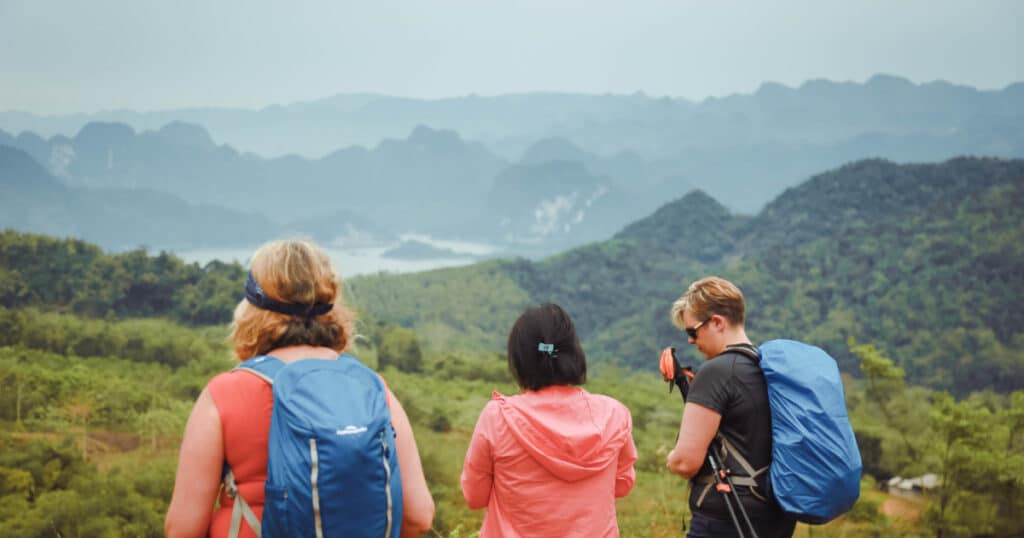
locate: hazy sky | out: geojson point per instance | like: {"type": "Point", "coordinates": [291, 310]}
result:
{"type": "Point", "coordinates": [60, 56]}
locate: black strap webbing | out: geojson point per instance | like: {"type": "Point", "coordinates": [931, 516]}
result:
{"type": "Point", "coordinates": [747, 350]}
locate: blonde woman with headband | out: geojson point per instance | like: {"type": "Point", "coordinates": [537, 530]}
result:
{"type": "Point", "coordinates": [293, 311]}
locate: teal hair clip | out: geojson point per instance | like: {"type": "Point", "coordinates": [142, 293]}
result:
{"type": "Point", "coordinates": [546, 348]}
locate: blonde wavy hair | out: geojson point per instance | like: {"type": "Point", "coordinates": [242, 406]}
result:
{"type": "Point", "coordinates": [707, 297]}
{"type": "Point", "coordinates": [299, 272]}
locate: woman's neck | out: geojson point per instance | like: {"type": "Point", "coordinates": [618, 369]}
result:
{"type": "Point", "coordinates": [294, 353]}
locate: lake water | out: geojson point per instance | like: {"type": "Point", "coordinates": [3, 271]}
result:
{"type": "Point", "coordinates": [361, 260]}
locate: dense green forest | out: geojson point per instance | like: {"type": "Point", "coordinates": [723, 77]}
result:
{"type": "Point", "coordinates": [77, 277]}
{"type": "Point", "coordinates": [909, 275]}
{"type": "Point", "coordinates": [926, 261]}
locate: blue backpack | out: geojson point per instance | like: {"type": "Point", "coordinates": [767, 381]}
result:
{"type": "Point", "coordinates": [332, 469]}
{"type": "Point", "coordinates": [816, 466]}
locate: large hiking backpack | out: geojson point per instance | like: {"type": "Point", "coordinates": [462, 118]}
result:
{"type": "Point", "coordinates": [816, 467]}
{"type": "Point", "coordinates": [332, 469]}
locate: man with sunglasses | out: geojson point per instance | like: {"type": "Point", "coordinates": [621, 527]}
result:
{"type": "Point", "coordinates": [727, 403]}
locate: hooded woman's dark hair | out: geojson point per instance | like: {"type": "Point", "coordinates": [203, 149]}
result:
{"type": "Point", "coordinates": [543, 349]}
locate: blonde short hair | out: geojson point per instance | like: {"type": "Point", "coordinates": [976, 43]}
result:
{"type": "Point", "coordinates": [707, 297]}
{"type": "Point", "coordinates": [292, 272]}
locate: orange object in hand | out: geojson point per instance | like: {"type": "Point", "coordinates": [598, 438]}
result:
{"type": "Point", "coordinates": [667, 364]}
{"type": "Point", "coordinates": [670, 369]}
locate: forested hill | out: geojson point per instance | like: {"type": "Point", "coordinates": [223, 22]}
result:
{"type": "Point", "coordinates": [871, 191]}
{"type": "Point", "coordinates": [925, 260]}
{"type": "Point", "coordinates": [72, 276]}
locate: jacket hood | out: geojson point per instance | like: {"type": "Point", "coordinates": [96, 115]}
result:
{"type": "Point", "coordinates": [570, 432]}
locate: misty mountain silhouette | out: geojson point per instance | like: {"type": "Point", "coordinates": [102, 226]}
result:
{"type": "Point", "coordinates": [740, 149]}
{"type": "Point", "coordinates": [33, 200]}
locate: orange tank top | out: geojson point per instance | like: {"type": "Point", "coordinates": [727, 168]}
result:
{"type": "Point", "coordinates": [244, 402]}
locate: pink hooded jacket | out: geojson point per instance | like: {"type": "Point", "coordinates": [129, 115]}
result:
{"type": "Point", "coordinates": [550, 463]}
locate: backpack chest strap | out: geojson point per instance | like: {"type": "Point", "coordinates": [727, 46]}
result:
{"type": "Point", "coordinates": [729, 449]}
{"type": "Point", "coordinates": [239, 509]}
{"type": "Point", "coordinates": [748, 480]}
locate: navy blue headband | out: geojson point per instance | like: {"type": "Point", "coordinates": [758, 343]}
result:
{"type": "Point", "coordinates": [256, 296]}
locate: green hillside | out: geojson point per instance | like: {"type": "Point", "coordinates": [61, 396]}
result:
{"type": "Point", "coordinates": [70, 275]}
{"type": "Point", "coordinates": [91, 413]}
{"type": "Point", "coordinates": [925, 260]}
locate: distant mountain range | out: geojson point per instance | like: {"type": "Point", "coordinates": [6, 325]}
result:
{"type": "Point", "coordinates": [33, 200]}
{"type": "Point", "coordinates": [532, 173]}
{"type": "Point", "coordinates": [122, 217]}
{"type": "Point", "coordinates": [430, 182]}
{"type": "Point", "coordinates": [389, 181]}
{"type": "Point", "coordinates": [819, 112]}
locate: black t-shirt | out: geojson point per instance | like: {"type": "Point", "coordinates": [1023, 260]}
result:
{"type": "Point", "coordinates": [732, 385]}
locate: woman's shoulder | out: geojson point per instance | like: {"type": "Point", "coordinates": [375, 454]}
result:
{"type": "Point", "coordinates": [722, 365]}
{"type": "Point", "coordinates": [606, 401]}
{"type": "Point", "coordinates": [489, 419]}
{"type": "Point", "coordinates": [234, 381]}
{"type": "Point", "coordinates": [493, 406]}
{"type": "Point", "coordinates": [234, 376]}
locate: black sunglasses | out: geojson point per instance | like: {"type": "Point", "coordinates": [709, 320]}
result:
{"type": "Point", "coordinates": [692, 331]}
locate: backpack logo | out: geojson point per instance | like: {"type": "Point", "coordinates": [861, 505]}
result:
{"type": "Point", "coordinates": [351, 430]}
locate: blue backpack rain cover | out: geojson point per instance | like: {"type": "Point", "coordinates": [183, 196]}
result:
{"type": "Point", "coordinates": [332, 469]}
{"type": "Point", "coordinates": [816, 466]}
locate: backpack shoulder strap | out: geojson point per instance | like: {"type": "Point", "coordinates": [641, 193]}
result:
{"type": "Point", "coordinates": [263, 366]}
{"type": "Point", "coordinates": [747, 350]}
{"type": "Point", "coordinates": [727, 450]}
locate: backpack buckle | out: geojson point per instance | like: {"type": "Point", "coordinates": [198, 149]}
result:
{"type": "Point", "coordinates": [229, 485]}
